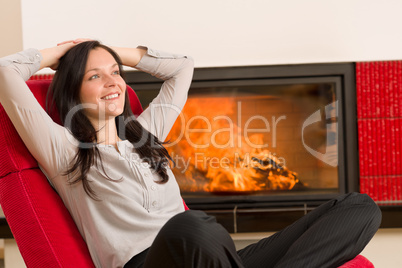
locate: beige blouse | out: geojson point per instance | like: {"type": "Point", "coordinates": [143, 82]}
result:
{"type": "Point", "coordinates": [131, 211]}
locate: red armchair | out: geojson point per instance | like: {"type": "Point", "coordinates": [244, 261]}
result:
{"type": "Point", "coordinates": [41, 225]}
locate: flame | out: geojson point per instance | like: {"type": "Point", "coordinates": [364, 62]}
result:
{"type": "Point", "coordinates": [208, 158]}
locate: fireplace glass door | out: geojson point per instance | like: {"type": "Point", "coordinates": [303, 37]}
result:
{"type": "Point", "coordinates": [269, 139]}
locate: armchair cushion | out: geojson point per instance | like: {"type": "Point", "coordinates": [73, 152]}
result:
{"type": "Point", "coordinates": [358, 262]}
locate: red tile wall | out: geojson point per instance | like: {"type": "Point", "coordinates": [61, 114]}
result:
{"type": "Point", "coordinates": [379, 113]}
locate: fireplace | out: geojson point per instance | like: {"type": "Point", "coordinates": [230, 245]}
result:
{"type": "Point", "coordinates": [263, 139]}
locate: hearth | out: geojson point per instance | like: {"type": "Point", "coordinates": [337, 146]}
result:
{"type": "Point", "coordinates": [263, 139]}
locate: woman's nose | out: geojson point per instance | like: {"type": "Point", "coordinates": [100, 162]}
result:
{"type": "Point", "coordinates": [110, 80]}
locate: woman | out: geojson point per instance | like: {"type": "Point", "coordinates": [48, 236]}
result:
{"type": "Point", "coordinates": [112, 171]}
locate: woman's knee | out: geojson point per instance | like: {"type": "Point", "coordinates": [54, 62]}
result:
{"type": "Point", "coordinates": [196, 230]}
{"type": "Point", "coordinates": [190, 225]}
{"type": "Point", "coordinates": [193, 218]}
{"type": "Point", "coordinates": [194, 237]}
{"type": "Point", "coordinates": [364, 204]}
{"type": "Point", "coordinates": [373, 209]}
{"type": "Point", "coordinates": [363, 200]}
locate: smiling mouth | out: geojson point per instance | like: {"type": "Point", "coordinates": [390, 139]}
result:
{"type": "Point", "coordinates": [111, 96]}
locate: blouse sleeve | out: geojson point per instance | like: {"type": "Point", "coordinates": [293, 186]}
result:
{"type": "Point", "coordinates": [47, 141]}
{"type": "Point", "coordinates": [177, 72]}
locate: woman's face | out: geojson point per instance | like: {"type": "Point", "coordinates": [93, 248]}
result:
{"type": "Point", "coordinates": [103, 89]}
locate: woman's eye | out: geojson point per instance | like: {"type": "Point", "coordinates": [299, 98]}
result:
{"type": "Point", "coordinates": [116, 72]}
{"type": "Point", "coordinates": [94, 77]}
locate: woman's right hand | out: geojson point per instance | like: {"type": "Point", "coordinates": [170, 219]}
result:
{"type": "Point", "coordinates": [51, 56]}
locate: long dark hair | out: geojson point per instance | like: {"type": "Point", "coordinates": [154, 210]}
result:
{"type": "Point", "coordinates": [64, 93]}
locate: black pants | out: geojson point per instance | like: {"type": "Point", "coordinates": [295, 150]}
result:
{"type": "Point", "coordinates": [328, 236]}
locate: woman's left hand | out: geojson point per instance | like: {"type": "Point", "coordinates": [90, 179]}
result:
{"type": "Point", "coordinates": [51, 56]}
{"type": "Point", "coordinates": [75, 41]}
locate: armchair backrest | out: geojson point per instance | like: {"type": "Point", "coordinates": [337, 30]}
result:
{"type": "Point", "coordinates": [45, 233]}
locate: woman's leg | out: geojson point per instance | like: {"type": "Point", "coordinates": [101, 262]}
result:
{"type": "Point", "coordinates": [328, 236]}
{"type": "Point", "coordinates": [192, 239]}
{"type": "Point", "coordinates": [138, 260]}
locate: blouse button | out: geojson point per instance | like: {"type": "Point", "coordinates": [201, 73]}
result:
{"type": "Point", "coordinates": [153, 187]}
{"type": "Point", "coordinates": [154, 203]}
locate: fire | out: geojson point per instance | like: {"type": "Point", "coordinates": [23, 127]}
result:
{"type": "Point", "coordinates": [212, 155]}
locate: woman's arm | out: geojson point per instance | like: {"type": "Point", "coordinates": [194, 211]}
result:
{"type": "Point", "coordinates": [176, 71]}
{"type": "Point", "coordinates": [46, 140]}
{"type": "Point", "coordinates": [130, 56]}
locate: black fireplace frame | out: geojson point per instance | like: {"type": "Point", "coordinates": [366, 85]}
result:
{"type": "Point", "coordinates": [344, 73]}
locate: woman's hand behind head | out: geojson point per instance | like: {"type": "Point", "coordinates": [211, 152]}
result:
{"type": "Point", "coordinates": [51, 56]}
{"type": "Point", "coordinates": [76, 41]}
